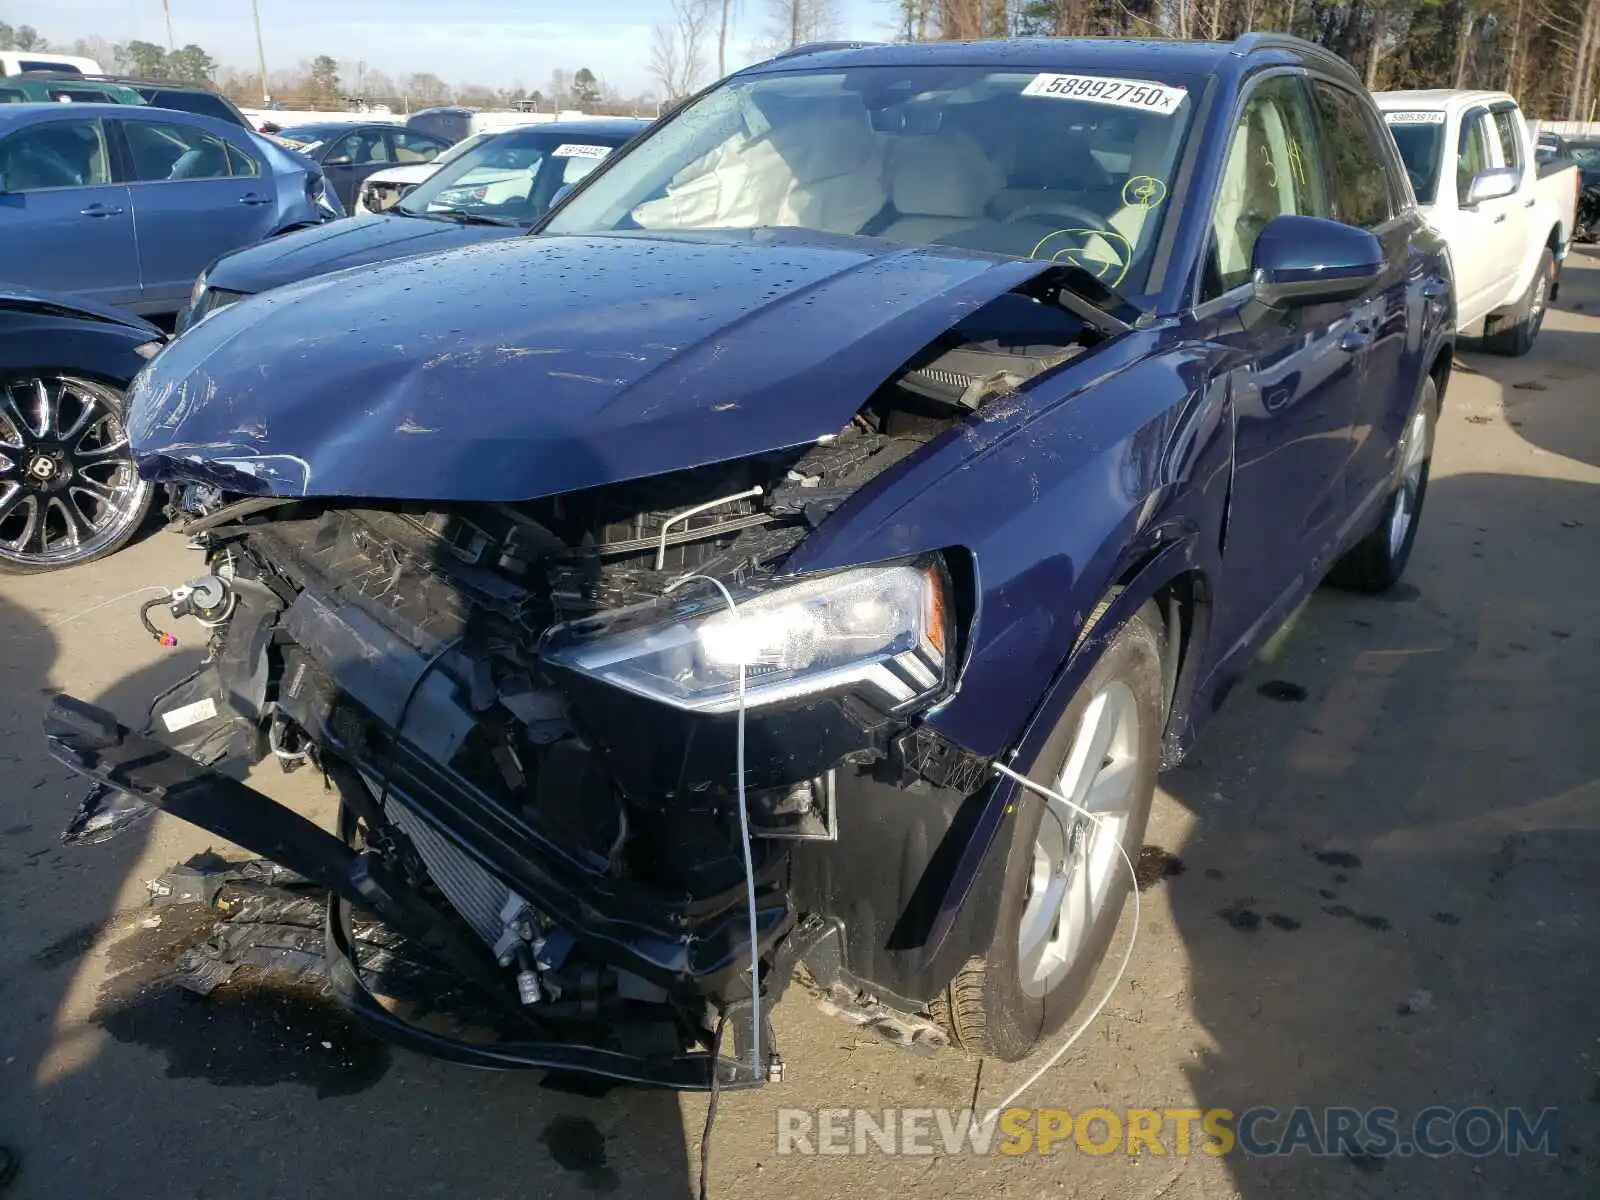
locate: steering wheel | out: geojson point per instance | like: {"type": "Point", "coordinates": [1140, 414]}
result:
{"type": "Point", "coordinates": [1072, 216]}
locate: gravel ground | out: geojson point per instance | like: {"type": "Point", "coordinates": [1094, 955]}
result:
{"type": "Point", "coordinates": [1379, 889]}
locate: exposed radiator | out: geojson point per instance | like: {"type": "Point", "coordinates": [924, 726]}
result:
{"type": "Point", "coordinates": [476, 895]}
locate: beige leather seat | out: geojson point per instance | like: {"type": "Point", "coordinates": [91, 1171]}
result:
{"type": "Point", "coordinates": [942, 183]}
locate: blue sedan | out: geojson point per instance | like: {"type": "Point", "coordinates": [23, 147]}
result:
{"type": "Point", "coordinates": [1009, 394]}
{"type": "Point", "coordinates": [124, 206]}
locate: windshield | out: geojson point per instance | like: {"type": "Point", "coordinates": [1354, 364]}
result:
{"type": "Point", "coordinates": [1420, 137]}
{"type": "Point", "coordinates": [1069, 168]}
{"type": "Point", "coordinates": [512, 176]}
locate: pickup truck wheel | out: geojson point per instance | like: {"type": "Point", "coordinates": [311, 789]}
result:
{"type": "Point", "coordinates": [1065, 880]}
{"type": "Point", "coordinates": [1513, 333]}
{"type": "Point", "coordinates": [1376, 562]}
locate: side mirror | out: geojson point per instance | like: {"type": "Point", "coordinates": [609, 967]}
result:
{"type": "Point", "coordinates": [1308, 260]}
{"type": "Point", "coordinates": [1491, 185]}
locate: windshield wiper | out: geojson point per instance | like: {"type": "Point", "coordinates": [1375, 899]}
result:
{"type": "Point", "coordinates": [463, 217]}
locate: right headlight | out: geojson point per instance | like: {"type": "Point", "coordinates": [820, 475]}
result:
{"type": "Point", "coordinates": [882, 629]}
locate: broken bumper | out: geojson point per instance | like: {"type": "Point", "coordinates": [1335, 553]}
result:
{"type": "Point", "coordinates": [684, 948]}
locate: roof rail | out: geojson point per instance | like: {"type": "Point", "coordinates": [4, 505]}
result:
{"type": "Point", "coordinates": [820, 47]}
{"type": "Point", "coordinates": [1267, 40]}
{"type": "Point", "coordinates": [1295, 45]}
{"type": "Point", "coordinates": [125, 80]}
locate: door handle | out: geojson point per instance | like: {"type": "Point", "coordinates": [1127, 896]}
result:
{"type": "Point", "coordinates": [253, 198]}
{"type": "Point", "coordinates": [100, 210]}
{"type": "Point", "coordinates": [1499, 218]}
{"type": "Point", "coordinates": [1530, 202]}
{"type": "Point", "coordinates": [1356, 337]}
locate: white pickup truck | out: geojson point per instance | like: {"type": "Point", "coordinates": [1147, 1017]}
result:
{"type": "Point", "coordinates": [1506, 219]}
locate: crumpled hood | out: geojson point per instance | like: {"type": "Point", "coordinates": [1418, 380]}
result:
{"type": "Point", "coordinates": [26, 299]}
{"type": "Point", "coordinates": [352, 242]}
{"type": "Point", "coordinates": [526, 368]}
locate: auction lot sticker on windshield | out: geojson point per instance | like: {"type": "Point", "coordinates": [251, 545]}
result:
{"type": "Point", "coordinates": [1140, 94]}
{"type": "Point", "coordinates": [1414, 118]}
{"type": "Point", "coordinates": [573, 150]}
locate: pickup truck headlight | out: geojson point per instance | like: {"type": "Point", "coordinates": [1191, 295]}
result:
{"type": "Point", "coordinates": [881, 629]}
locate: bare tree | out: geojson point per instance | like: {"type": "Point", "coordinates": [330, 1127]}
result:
{"type": "Point", "coordinates": [727, 7]}
{"type": "Point", "coordinates": [795, 22]}
{"type": "Point", "coordinates": [677, 48]}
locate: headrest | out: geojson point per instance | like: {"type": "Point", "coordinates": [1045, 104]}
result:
{"type": "Point", "coordinates": [943, 175]}
{"type": "Point", "coordinates": [825, 145]}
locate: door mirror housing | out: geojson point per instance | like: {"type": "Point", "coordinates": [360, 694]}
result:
{"type": "Point", "coordinates": [1493, 184]}
{"type": "Point", "coordinates": [1308, 260]}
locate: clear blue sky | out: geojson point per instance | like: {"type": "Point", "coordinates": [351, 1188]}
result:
{"type": "Point", "coordinates": [493, 42]}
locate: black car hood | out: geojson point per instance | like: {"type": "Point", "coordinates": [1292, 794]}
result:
{"type": "Point", "coordinates": [351, 242]}
{"type": "Point", "coordinates": [31, 300]}
{"type": "Point", "coordinates": [542, 365]}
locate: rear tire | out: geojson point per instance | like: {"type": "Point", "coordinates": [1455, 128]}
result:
{"type": "Point", "coordinates": [1004, 1002]}
{"type": "Point", "coordinates": [1375, 563]}
{"type": "Point", "coordinates": [1513, 334]}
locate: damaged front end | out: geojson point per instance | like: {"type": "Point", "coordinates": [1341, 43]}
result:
{"type": "Point", "coordinates": [541, 717]}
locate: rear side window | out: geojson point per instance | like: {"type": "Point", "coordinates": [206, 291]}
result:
{"type": "Point", "coordinates": [163, 152]}
{"type": "Point", "coordinates": [82, 95]}
{"type": "Point", "coordinates": [55, 154]}
{"type": "Point", "coordinates": [1273, 169]}
{"type": "Point", "coordinates": [241, 164]}
{"type": "Point", "coordinates": [12, 96]}
{"type": "Point", "coordinates": [1505, 129]}
{"type": "Point", "coordinates": [1473, 154]}
{"type": "Point", "coordinates": [1355, 158]}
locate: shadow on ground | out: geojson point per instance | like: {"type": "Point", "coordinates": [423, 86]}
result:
{"type": "Point", "coordinates": [1391, 887]}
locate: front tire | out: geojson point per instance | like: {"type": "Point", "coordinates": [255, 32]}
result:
{"type": "Point", "coordinates": [1065, 879]}
{"type": "Point", "coordinates": [69, 492]}
{"type": "Point", "coordinates": [1513, 334]}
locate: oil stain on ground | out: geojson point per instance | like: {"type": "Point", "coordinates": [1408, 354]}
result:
{"type": "Point", "coordinates": [576, 1144]}
{"type": "Point", "coordinates": [1155, 864]}
{"type": "Point", "coordinates": [245, 1034]}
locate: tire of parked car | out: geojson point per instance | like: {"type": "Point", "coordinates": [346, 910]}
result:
{"type": "Point", "coordinates": [1104, 748]}
{"type": "Point", "coordinates": [69, 492]}
{"type": "Point", "coordinates": [1513, 333]}
{"type": "Point", "coordinates": [1375, 563]}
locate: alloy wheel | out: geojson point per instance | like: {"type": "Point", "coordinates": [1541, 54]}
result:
{"type": "Point", "coordinates": [1077, 862]}
{"type": "Point", "coordinates": [68, 487]}
{"type": "Point", "coordinates": [1413, 455]}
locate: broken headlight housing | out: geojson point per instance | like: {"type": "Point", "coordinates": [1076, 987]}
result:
{"type": "Point", "coordinates": [883, 630]}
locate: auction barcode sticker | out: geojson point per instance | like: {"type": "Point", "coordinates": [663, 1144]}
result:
{"type": "Point", "coordinates": [1414, 118]}
{"type": "Point", "coordinates": [1141, 94]}
{"type": "Point", "coordinates": [573, 150]}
